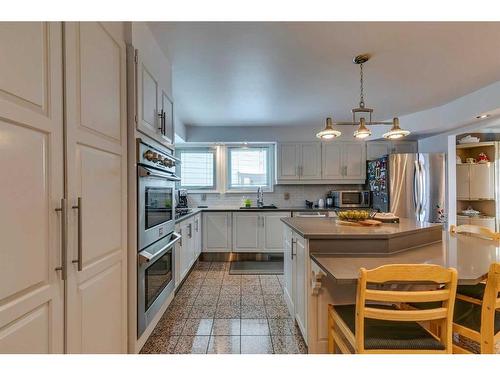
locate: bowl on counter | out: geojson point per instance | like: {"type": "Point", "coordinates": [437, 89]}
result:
{"type": "Point", "coordinates": [354, 215]}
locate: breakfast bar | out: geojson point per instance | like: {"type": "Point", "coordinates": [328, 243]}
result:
{"type": "Point", "coordinates": [323, 258]}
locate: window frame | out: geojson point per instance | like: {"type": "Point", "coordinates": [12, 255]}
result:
{"type": "Point", "coordinates": [200, 149]}
{"type": "Point", "coordinates": [270, 167]}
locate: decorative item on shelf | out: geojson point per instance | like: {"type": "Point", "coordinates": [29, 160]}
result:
{"type": "Point", "coordinates": [365, 113]}
{"type": "Point", "coordinates": [470, 161]}
{"type": "Point", "coordinates": [468, 139]}
{"type": "Point", "coordinates": [482, 158]}
{"type": "Point", "coordinates": [459, 161]}
{"type": "Point", "coordinates": [470, 212]}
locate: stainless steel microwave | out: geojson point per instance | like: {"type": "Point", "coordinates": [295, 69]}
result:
{"type": "Point", "coordinates": [351, 198]}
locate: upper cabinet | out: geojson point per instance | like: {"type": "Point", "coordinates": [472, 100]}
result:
{"type": "Point", "coordinates": [152, 93]}
{"type": "Point", "coordinates": [476, 181]}
{"type": "Point", "coordinates": [321, 163]}
{"type": "Point", "coordinates": [377, 149]}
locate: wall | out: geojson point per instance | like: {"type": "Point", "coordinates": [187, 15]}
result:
{"type": "Point", "coordinates": [298, 195]}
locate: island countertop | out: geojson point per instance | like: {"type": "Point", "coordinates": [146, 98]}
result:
{"type": "Point", "coordinates": [470, 256]}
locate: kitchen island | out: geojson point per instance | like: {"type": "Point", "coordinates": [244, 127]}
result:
{"type": "Point", "coordinates": [308, 291]}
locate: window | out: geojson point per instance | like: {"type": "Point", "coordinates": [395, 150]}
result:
{"type": "Point", "coordinates": [197, 169]}
{"type": "Point", "coordinates": [249, 167]}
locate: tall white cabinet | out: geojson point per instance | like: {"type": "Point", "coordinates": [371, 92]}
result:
{"type": "Point", "coordinates": [57, 238]}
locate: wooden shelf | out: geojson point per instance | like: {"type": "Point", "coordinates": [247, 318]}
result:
{"type": "Point", "coordinates": [478, 144]}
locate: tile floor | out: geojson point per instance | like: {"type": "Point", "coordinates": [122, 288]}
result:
{"type": "Point", "coordinates": [215, 312]}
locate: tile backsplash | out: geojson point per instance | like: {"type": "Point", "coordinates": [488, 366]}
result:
{"type": "Point", "coordinates": [297, 196]}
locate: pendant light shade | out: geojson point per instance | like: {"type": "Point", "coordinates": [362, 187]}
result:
{"type": "Point", "coordinates": [396, 132]}
{"type": "Point", "coordinates": [362, 131]}
{"type": "Point", "coordinates": [328, 132]}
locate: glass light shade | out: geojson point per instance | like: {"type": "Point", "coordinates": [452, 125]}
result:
{"type": "Point", "coordinates": [362, 131]}
{"type": "Point", "coordinates": [328, 132]}
{"type": "Point", "coordinates": [396, 132]}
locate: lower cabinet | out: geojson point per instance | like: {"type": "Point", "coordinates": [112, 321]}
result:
{"type": "Point", "coordinates": [188, 249]}
{"type": "Point", "coordinates": [258, 231]}
{"type": "Point", "coordinates": [217, 232]}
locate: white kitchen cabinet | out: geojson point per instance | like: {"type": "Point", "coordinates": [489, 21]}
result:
{"type": "Point", "coordinates": [483, 221]}
{"type": "Point", "coordinates": [185, 249]}
{"type": "Point", "coordinates": [288, 269]}
{"type": "Point", "coordinates": [300, 255]}
{"type": "Point", "coordinates": [65, 283]}
{"type": "Point", "coordinates": [299, 161]}
{"type": "Point", "coordinates": [463, 190]}
{"type": "Point", "coordinates": [354, 160]}
{"type": "Point", "coordinates": [378, 149]}
{"type": "Point", "coordinates": [258, 231]}
{"type": "Point", "coordinates": [482, 181]}
{"type": "Point", "coordinates": [217, 236]}
{"type": "Point", "coordinates": [462, 220]}
{"type": "Point", "coordinates": [151, 87]}
{"type": "Point", "coordinates": [310, 165]}
{"type": "Point", "coordinates": [246, 231]}
{"type": "Point", "coordinates": [475, 181]}
{"type": "Point", "coordinates": [332, 166]}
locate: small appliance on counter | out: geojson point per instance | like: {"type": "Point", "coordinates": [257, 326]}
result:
{"type": "Point", "coordinates": [182, 198]}
{"type": "Point", "coordinates": [350, 198]}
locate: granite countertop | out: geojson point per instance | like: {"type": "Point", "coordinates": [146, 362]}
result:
{"type": "Point", "coordinates": [329, 229]}
{"type": "Point", "coordinates": [471, 256]}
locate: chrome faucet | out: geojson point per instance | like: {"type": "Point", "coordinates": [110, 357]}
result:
{"type": "Point", "coordinates": [260, 197]}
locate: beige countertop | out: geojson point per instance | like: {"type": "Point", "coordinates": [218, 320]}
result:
{"type": "Point", "coordinates": [471, 256]}
{"type": "Point", "coordinates": [329, 229]}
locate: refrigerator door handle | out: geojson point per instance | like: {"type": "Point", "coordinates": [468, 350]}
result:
{"type": "Point", "coordinates": [416, 193]}
{"type": "Point", "coordinates": [423, 194]}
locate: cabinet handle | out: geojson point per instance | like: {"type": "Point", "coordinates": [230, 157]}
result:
{"type": "Point", "coordinates": [64, 239]}
{"type": "Point", "coordinates": [80, 234]}
{"type": "Point", "coordinates": [161, 115]}
{"type": "Point", "coordinates": [180, 241]}
{"type": "Point", "coordinates": [291, 250]}
{"type": "Point", "coordinates": [190, 226]}
{"type": "Point", "coordinates": [197, 225]}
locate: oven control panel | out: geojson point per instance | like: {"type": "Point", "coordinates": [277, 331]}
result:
{"type": "Point", "coordinates": [154, 157]}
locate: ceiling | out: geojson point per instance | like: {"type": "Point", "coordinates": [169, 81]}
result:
{"type": "Point", "coordinates": [292, 74]}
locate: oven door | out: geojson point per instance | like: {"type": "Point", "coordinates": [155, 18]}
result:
{"type": "Point", "coordinates": [156, 208]}
{"type": "Point", "coordinates": [156, 281]}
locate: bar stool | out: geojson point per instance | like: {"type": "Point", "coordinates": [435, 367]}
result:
{"type": "Point", "coordinates": [383, 328]}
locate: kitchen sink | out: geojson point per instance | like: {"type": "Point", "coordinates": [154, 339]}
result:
{"type": "Point", "coordinates": [271, 206]}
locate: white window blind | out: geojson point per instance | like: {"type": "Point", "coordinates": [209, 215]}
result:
{"type": "Point", "coordinates": [249, 167]}
{"type": "Point", "coordinates": [197, 169]}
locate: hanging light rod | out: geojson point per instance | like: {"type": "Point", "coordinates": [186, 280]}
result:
{"type": "Point", "coordinates": [364, 113]}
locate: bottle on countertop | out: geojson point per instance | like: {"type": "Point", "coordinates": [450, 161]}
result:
{"type": "Point", "coordinates": [321, 203]}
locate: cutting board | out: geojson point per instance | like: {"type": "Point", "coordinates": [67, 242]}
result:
{"type": "Point", "coordinates": [362, 223]}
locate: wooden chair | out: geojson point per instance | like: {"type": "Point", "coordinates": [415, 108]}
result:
{"type": "Point", "coordinates": [383, 328]}
{"type": "Point", "coordinates": [475, 230]}
{"type": "Point", "coordinates": [477, 313]}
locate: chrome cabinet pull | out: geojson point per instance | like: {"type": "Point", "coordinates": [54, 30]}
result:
{"type": "Point", "coordinates": [80, 235]}
{"type": "Point", "coordinates": [180, 240]}
{"type": "Point", "coordinates": [64, 240]}
{"type": "Point", "coordinates": [291, 250]}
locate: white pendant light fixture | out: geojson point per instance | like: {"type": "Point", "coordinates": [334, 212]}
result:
{"type": "Point", "coordinates": [328, 132]}
{"type": "Point", "coordinates": [363, 131]}
{"type": "Point", "coordinates": [396, 132]}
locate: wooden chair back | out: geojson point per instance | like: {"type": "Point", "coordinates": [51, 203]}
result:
{"type": "Point", "coordinates": [475, 230]}
{"type": "Point", "coordinates": [491, 302]}
{"type": "Point", "coordinates": [419, 274]}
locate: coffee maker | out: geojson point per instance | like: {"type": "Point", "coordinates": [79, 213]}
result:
{"type": "Point", "coordinates": [182, 198]}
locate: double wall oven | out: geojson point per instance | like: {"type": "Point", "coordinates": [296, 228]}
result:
{"type": "Point", "coordinates": [155, 230]}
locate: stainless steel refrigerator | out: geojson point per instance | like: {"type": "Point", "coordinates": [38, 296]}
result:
{"type": "Point", "coordinates": [409, 185]}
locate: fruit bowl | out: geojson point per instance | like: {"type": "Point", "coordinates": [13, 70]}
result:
{"type": "Point", "coordinates": [353, 215]}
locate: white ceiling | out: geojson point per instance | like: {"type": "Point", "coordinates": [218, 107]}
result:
{"type": "Point", "coordinates": [273, 74]}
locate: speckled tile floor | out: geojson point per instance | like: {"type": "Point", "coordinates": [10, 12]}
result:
{"type": "Point", "coordinates": [218, 313]}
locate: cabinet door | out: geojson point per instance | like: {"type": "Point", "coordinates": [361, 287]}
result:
{"type": "Point", "coordinates": [354, 156]}
{"type": "Point", "coordinates": [288, 268]}
{"type": "Point", "coordinates": [217, 231]}
{"type": "Point", "coordinates": [332, 161]}
{"type": "Point", "coordinates": [186, 249]}
{"type": "Point", "coordinates": [246, 231]}
{"type": "Point", "coordinates": [271, 231]}
{"type": "Point", "coordinates": [463, 191]}
{"type": "Point", "coordinates": [377, 149]}
{"type": "Point", "coordinates": [288, 161]}
{"type": "Point", "coordinates": [462, 220]}
{"type": "Point", "coordinates": [97, 159]}
{"type": "Point", "coordinates": [177, 257]}
{"type": "Point", "coordinates": [404, 147]}
{"type": "Point", "coordinates": [167, 129]}
{"type": "Point", "coordinates": [301, 280]}
{"type": "Point", "coordinates": [148, 120]}
{"type": "Point", "coordinates": [482, 183]}
{"type": "Point", "coordinates": [488, 222]}
{"type": "Point", "coordinates": [310, 165]}
{"type": "Point", "coordinates": [31, 188]}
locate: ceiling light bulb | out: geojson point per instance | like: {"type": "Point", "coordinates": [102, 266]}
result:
{"type": "Point", "coordinates": [328, 132]}
{"type": "Point", "coordinates": [396, 132]}
{"type": "Point", "coordinates": [362, 131]}
{"type": "Point", "coordinates": [483, 116]}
